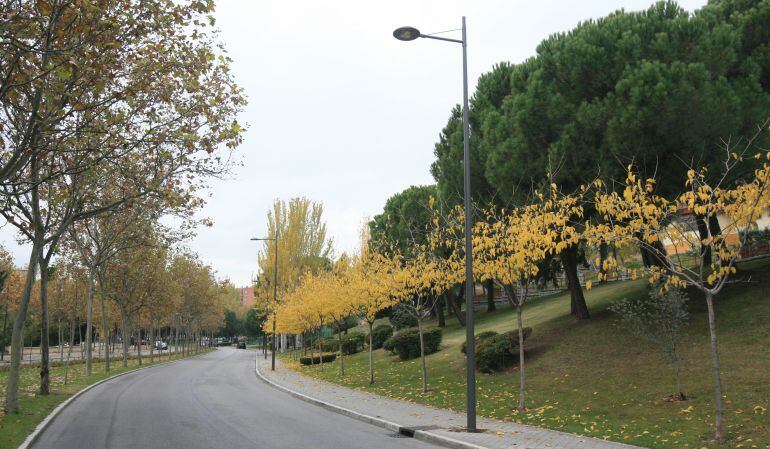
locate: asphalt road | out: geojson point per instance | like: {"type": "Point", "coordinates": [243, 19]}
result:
{"type": "Point", "coordinates": [213, 401]}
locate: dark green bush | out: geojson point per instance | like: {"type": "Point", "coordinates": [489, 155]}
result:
{"type": "Point", "coordinates": [406, 343]}
{"type": "Point", "coordinates": [500, 351]}
{"type": "Point", "coordinates": [316, 360]}
{"type": "Point", "coordinates": [380, 333]}
{"type": "Point", "coordinates": [480, 336]}
{"type": "Point", "coordinates": [351, 343]}
{"type": "Point", "coordinates": [402, 318]}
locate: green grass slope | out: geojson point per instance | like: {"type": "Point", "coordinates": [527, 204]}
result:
{"type": "Point", "coordinates": [596, 378]}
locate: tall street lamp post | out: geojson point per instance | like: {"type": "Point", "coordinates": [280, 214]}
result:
{"type": "Point", "coordinates": [275, 291]}
{"type": "Point", "coordinates": [410, 34]}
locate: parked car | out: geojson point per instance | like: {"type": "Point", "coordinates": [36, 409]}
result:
{"type": "Point", "coordinates": [161, 345]}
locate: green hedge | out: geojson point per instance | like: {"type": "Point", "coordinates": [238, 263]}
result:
{"type": "Point", "coordinates": [406, 343]}
{"type": "Point", "coordinates": [380, 334]}
{"type": "Point", "coordinates": [480, 336]}
{"type": "Point", "coordinates": [316, 360]}
{"type": "Point", "coordinates": [499, 351]}
{"type": "Point", "coordinates": [351, 343]}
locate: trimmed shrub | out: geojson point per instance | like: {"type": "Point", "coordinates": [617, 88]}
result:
{"type": "Point", "coordinates": [400, 318]}
{"type": "Point", "coordinates": [406, 343]}
{"type": "Point", "coordinates": [380, 333]}
{"type": "Point", "coordinates": [478, 338]}
{"type": "Point", "coordinates": [499, 351]}
{"type": "Point", "coordinates": [316, 360]}
{"type": "Point", "coordinates": [351, 344]}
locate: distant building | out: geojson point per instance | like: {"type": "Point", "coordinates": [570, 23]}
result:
{"type": "Point", "coordinates": [246, 296]}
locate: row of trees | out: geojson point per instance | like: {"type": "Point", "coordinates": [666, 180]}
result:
{"type": "Point", "coordinates": [146, 294]}
{"type": "Point", "coordinates": [112, 116]}
{"type": "Point", "coordinates": [660, 89]}
{"type": "Point", "coordinates": [512, 245]}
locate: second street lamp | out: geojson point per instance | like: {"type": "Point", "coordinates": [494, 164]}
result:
{"type": "Point", "coordinates": [275, 292]}
{"type": "Point", "coordinates": [410, 34]}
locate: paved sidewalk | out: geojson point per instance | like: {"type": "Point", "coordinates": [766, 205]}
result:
{"type": "Point", "coordinates": [498, 434]}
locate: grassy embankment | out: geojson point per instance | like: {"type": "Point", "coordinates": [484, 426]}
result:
{"type": "Point", "coordinates": [34, 408]}
{"type": "Point", "coordinates": [596, 378]}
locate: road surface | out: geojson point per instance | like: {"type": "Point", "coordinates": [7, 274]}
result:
{"type": "Point", "coordinates": [213, 401]}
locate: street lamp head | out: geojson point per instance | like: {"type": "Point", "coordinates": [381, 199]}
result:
{"type": "Point", "coordinates": [406, 33]}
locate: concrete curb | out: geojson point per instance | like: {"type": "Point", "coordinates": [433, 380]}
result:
{"type": "Point", "coordinates": [422, 435]}
{"type": "Point", "coordinates": [31, 438]}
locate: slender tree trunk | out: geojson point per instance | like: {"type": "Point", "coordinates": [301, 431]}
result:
{"type": "Point", "coordinates": [679, 393]}
{"type": "Point", "coordinates": [80, 340]}
{"type": "Point", "coordinates": [126, 336]}
{"type": "Point", "coordinates": [69, 351]}
{"type": "Point", "coordinates": [105, 326]}
{"type": "Point", "coordinates": [371, 358]}
{"type": "Point", "coordinates": [17, 338]}
{"type": "Point", "coordinates": [440, 304]}
{"type": "Point", "coordinates": [717, 372]}
{"type": "Point", "coordinates": [422, 356]}
{"type": "Point", "coordinates": [342, 357]}
{"type": "Point", "coordinates": [490, 288]}
{"type": "Point", "coordinates": [320, 349]}
{"type": "Point", "coordinates": [61, 343]}
{"type": "Point", "coordinates": [45, 349]}
{"type": "Point", "coordinates": [89, 322]}
{"type": "Point", "coordinates": [522, 377]}
{"type": "Point", "coordinates": [139, 345]}
{"type": "Point", "coordinates": [452, 304]}
{"type": "Point", "coordinates": [152, 344]}
{"type": "Point", "coordinates": [569, 262]}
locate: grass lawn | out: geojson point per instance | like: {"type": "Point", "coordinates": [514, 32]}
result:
{"type": "Point", "coordinates": [596, 378]}
{"type": "Point", "coordinates": [34, 408]}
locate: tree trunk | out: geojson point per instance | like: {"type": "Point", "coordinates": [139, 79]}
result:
{"type": "Point", "coordinates": [139, 345]}
{"type": "Point", "coordinates": [422, 356]}
{"type": "Point", "coordinates": [126, 336]}
{"type": "Point", "coordinates": [522, 378]}
{"type": "Point", "coordinates": [45, 351]}
{"type": "Point", "coordinates": [371, 359]}
{"type": "Point", "coordinates": [320, 349]}
{"type": "Point", "coordinates": [717, 373]}
{"type": "Point", "coordinates": [69, 351]}
{"type": "Point", "coordinates": [105, 326]}
{"type": "Point", "coordinates": [440, 311]}
{"type": "Point", "coordinates": [89, 322]}
{"type": "Point", "coordinates": [152, 344]}
{"type": "Point", "coordinates": [489, 286]}
{"type": "Point", "coordinates": [577, 300]}
{"type": "Point", "coordinates": [679, 393]}
{"type": "Point", "coordinates": [342, 362]}
{"type": "Point", "coordinates": [17, 338]}
{"type": "Point", "coordinates": [80, 340]}
{"type": "Point", "coordinates": [452, 304]}
{"type": "Point", "coordinates": [61, 343]}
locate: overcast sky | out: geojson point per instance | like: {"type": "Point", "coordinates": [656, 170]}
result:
{"type": "Point", "coordinates": [342, 113]}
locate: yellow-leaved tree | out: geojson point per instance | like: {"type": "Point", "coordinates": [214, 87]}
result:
{"type": "Point", "coordinates": [372, 282]}
{"type": "Point", "coordinates": [509, 247]}
{"type": "Point", "coordinates": [636, 214]}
